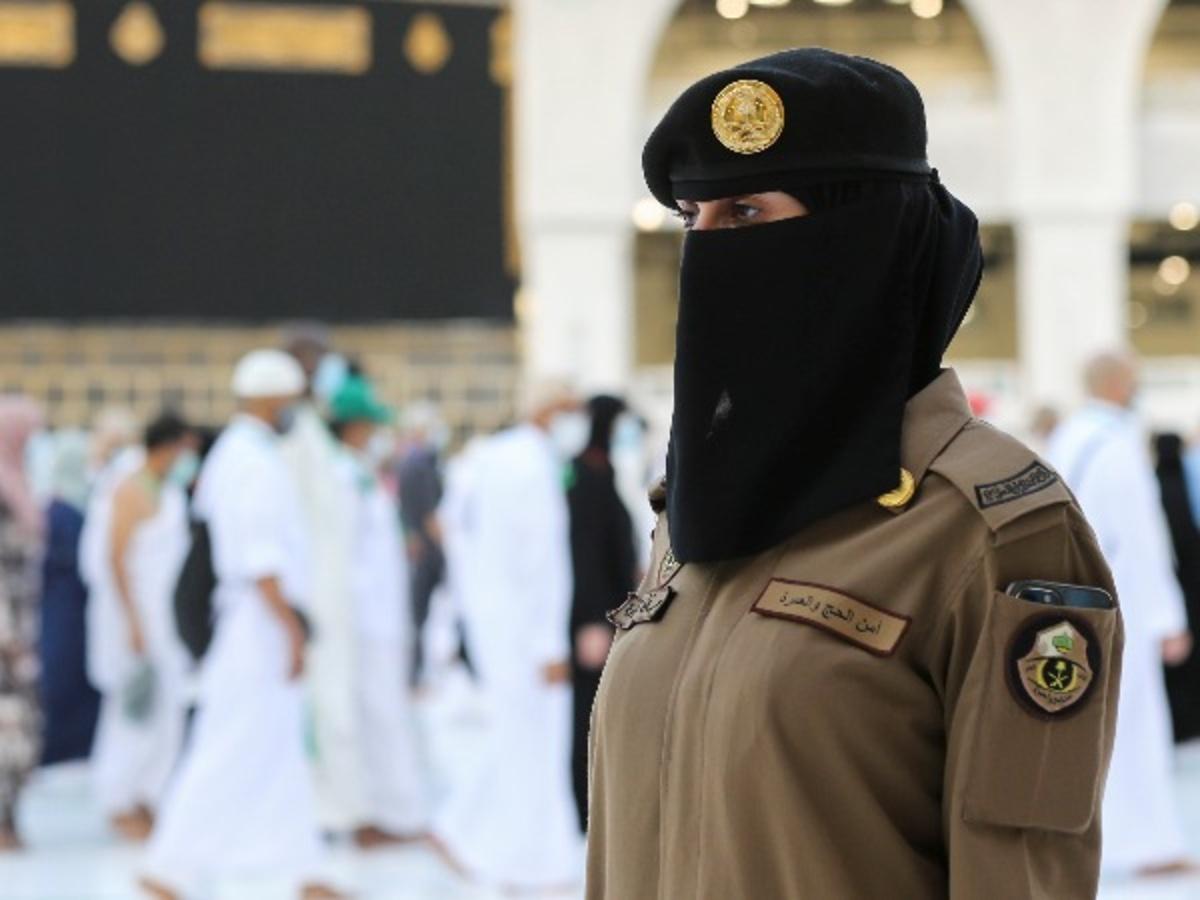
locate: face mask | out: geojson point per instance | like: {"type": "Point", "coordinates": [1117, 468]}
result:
{"type": "Point", "coordinates": [185, 469]}
{"type": "Point", "coordinates": [285, 419]}
{"type": "Point", "coordinates": [331, 372]}
{"type": "Point", "coordinates": [627, 436]}
{"type": "Point", "coordinates": [569, 434]}
{"type": "Point", "coordinates": [795, 351]}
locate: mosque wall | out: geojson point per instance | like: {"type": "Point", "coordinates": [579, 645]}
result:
{"type": "Point", "coordinates": [469, 369]}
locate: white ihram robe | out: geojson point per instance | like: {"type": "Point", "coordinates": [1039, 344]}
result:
{"type": "Point", "coordinates": [107, 636]}
{"type": "Point", "coordinates": [1103, 454]}
{"type": "Point", "coordinates": [312, 455]}
{"type": "Point", "coordinates": [242, 800]}
{"type": "Point", "coordinates": [132, 761]}
{"type": "Point", "coordinates": [511, 820]}
{"type": "Point", "coordinates": [389, 753]}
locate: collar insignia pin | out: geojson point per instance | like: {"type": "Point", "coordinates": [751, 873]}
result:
{"type": "Point", "coordinates": [668, 568]}
{"type": "Point", "coordinates": [900, 497]}
{"type": "Point", "coordinates": [640, 608]}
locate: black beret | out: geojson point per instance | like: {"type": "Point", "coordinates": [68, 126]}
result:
{"type": "Point", "coordinates": [801, 116]}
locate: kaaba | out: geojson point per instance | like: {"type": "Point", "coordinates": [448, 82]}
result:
{"type": "Point", "coordinates": [241, 160]}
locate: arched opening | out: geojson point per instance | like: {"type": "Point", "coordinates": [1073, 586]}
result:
{"type": "Point", "coordinates": [936, 43]}
{"type": "Point", "coordinates": [1164, 301]}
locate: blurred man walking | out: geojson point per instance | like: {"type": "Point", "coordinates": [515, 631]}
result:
{"type": "Point", "coordinates": [511, 822]}
{"type": "Point", "coordinates": [1103, 453]}
{"type": "Point", "coordinates": [242, 799]}
{"type": "Point", "coordinates": [420, 483]}
{"type": "Point", "coordinates": [388, 751]}
{"type": "Point", "coordinates": [311, 453]}
{"type": "Point", "coordinates": [142, 662]}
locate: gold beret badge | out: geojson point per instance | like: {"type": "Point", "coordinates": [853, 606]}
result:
{"type": "Point", "coordinates": [747, 116]}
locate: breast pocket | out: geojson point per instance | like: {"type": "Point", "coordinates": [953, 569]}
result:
{"type": "Point", "coordinates": [1044, 727]}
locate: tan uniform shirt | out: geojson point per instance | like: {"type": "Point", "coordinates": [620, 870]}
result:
{"type": "Point", "coordinates": [862, 711]}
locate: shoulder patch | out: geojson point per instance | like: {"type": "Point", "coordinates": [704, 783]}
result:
{"type": "Point", "coordinates": [1001, 477]}
{"type": "Point", "coordinates": [1035, 477]}
{"type": "Point", "coordinates": [658, 496]}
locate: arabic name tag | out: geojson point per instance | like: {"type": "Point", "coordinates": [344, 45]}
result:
{"type": "Point", "coordinates": [639, 608]}
{"type": "Point", "coordinates": [869, 627]}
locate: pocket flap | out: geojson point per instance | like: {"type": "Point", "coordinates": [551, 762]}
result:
{"type": "Point", "coordinates": [1038, 757]}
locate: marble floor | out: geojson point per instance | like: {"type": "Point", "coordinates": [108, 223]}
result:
{"type": "Point", "coordinates": [73, 857]}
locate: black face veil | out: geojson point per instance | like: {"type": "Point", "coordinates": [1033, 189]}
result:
{"type": "Point", "coordinates": [798, 344]}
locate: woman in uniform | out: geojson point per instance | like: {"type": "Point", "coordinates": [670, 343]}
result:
{"type": "Point", "coordinates": [876, 652]}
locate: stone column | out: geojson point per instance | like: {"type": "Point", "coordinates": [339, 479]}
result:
{"type": "Point", "coordinates": [1069, 73]}
{"type": "Point", "coordinates": [581, 72]}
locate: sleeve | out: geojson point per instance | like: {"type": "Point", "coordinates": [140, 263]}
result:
{"type": "Point", "coordinates": [1030, 695]}
{"type": "Point", "coordinates": [595, 551]}
{"type": "Point", "coordinates": [249, 540]}
{"type": "Point", "coordinates": [540, 560]}
{"type": "Point", "coordinates": [1137, 543]}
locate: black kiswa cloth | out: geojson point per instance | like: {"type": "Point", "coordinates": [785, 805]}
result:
{"type": "Point", "coordinates": [798, 344]}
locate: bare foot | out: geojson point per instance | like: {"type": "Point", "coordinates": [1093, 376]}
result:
{"type": "Point", "coordinates": [371, 837]}
{"type": "Point", "coordinates": [157, 889]}
{"type": "Point", "coordinates": [1164, 870]}
{"type": "Point", "coordinates": [321, 892]}
{"type": "Point", "coordinates": [10, 840]}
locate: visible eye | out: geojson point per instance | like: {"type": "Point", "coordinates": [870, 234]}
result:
{"type": "Point", "coordinates": [687, 217]}
{"type": "Point", "coordinates": [746, 212]}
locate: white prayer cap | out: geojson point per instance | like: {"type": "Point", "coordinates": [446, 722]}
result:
{"type": "Point", "coordinates": [268, 373]}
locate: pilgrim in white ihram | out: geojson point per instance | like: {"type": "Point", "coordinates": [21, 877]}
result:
{"type": "Point", "coordinates": [312, 454]}
{"type": "Point", "coordinates": [396, 806]}
{"type": "Point", "coordinates": [1103, 454]}
{"type": "Point", "coordinates": [510, 821]}
{"type": "Point", "coordinates": [242, 800]}
{"type": "Point", "coordinates": [138, 741]}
